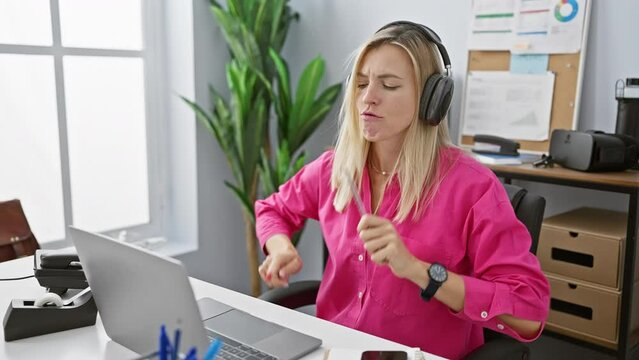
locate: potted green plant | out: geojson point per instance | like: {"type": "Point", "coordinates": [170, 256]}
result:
{"type": "Point", "coordinates": [259, 86]}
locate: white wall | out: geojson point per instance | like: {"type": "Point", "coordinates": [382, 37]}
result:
{"type": "Point", "coordinates": [334, 28]}
{"type": "Point", "coordinates": [221, 256]}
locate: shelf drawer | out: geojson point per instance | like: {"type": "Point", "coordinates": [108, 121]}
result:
{"type": "Point", "coordinates": [581, 309]}
{"type": "Point", "coordinates": [581, 256]}
{"type": "Point", "coordinates": [584, 244]}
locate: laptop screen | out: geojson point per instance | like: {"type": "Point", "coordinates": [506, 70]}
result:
{"type": "Point", "coordinates": [137, 291]}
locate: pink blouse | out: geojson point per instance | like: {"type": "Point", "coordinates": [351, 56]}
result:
{"type": "Point", "coordinates": [470, 228]}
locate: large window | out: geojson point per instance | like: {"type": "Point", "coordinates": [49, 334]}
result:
{"type": "Point", "coordinates": [77, 116]}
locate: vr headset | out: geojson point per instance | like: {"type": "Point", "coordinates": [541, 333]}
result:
{"type": "Point", "coordinates": [593, 150]}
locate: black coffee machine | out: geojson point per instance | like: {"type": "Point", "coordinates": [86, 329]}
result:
{"type": "Point", "coordinates": [627, 95]}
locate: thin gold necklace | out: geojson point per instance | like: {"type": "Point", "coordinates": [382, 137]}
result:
{"type": "Point", "coordinates": [381, 199]}
{"type": "Point", "coordinates": [382, 172]}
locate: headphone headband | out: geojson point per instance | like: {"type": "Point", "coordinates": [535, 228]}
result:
{"type": "Point", "coordinates": [437, 90]}
{"type": "Point", "coordinates": [429, 34]}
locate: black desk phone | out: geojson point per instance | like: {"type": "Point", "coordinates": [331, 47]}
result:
{"type": "Point", "coordinates": [59, 270]}
{"type": "Point", "coordinates": [60, 259]}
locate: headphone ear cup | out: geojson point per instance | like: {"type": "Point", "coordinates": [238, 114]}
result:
{"type": "Point", "coordinates": [49, 299]}
{"type": "Point", "coordinates": [427, 92]}
{"type": "Point", "coordinates": [436, 99]}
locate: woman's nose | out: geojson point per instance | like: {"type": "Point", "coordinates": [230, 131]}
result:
{"type": "Point", "coordinates": [370, 95]}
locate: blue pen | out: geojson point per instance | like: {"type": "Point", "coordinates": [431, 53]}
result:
{"type": "Point", "coordinates": [192, 355]}
{"type": "Point", "coordinates": [214, 348]}
{"type": "Point", "coordinates": [163, 343]}
{"type": "Point", "coordinates": [176, 344]}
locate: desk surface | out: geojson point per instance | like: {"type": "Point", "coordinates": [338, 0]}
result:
{"type": "Point", "coordinates": [92, 342]}
{"type": "Point", "coordinates": [629, 178]}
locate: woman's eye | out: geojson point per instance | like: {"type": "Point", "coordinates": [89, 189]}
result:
{"type": "Point", "coordinates": [362, 86]}
{"type": "Point", "coordinates": [391, 87]}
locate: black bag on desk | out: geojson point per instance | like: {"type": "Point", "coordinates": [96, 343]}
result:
{"type": "Point", "coordinates": [593, 150]}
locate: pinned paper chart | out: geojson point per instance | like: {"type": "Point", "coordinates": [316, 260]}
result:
{"type": "Point", "coordinates": [527, 26]}
{"type": "Point", "coordinates": [515, 106]}
{"type": "Point", "coordinates": [566, 10]}
{"type": "Point", "coordinates": [522, 83]}
{"type": "Point", "coordinates": [549, 26]}
{"type": "Point", "coordinates": [492, 24]}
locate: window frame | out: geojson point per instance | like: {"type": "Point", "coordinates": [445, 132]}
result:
{"type": "Point", "coordinates": [156, 121]}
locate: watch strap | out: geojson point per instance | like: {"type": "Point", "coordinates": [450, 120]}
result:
{"type": "Point", "coordinates": [430, 289]}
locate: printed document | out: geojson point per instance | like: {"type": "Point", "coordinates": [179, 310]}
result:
{"type": "Point", "coordinates": [492, 24]}
{"type": "Point", "coordinates": [514, 106]}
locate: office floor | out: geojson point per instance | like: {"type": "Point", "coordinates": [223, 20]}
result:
{"type": "Point", "coordinates": [549, 348]}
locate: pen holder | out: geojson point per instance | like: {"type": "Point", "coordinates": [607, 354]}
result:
{"type": "Point", "coordinates": [168, 350]}
{"type": "Point", "coordinates": [23, 319]}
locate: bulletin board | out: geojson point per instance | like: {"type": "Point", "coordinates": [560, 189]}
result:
{"type": "Point", "coordinates": [568, 70]}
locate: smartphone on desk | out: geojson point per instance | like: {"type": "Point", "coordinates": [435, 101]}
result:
{"type": "Point", "coordinates": [384, 355]}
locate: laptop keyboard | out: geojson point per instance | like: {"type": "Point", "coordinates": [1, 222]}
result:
{"type": "Point", "coordinates": [233, 350]}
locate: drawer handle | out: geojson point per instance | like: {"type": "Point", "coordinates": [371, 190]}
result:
{"type": "Point", "coordinates": [570, 308]}
{"type": "Point", "coordinates": [572, 257]}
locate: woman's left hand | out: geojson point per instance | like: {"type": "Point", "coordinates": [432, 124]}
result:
{"type": "Point", "coordinates": [384, 245]}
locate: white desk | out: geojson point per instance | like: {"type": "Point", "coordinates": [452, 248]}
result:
{"type": "Point", "coordinates": [92, 342]}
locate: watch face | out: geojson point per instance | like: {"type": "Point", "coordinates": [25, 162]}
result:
{"type": "Point", "coordinates": [437, 272]}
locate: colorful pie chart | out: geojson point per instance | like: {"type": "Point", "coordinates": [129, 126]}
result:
{"type": "Point", "coordinates": [566, 10]}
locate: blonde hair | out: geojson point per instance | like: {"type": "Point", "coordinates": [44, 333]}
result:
{"type": "Point", "coordinates": [417, 165]}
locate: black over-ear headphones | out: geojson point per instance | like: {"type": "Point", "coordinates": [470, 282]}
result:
{"type": "Point", "coordinates": [438, 89]}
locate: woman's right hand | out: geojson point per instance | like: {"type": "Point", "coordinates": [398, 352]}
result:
{"type": "Point", "coordinates": [282, 262]}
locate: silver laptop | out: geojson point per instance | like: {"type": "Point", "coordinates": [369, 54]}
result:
{"type": "Point", "coordinates": [136, 291]}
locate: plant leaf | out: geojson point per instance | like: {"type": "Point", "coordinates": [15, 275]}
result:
{"type": "Point", "coordinates": [305, 95]}
{"type": "Point", "coordinates": [252, 138]}
{"type": "Point", "coordinates": [244, 200]}
{"type": "Point", "coordinates": [283, 98]}
{"type": "Point", "coordinates": [269, 183]}
{"type": "Point", "coordinates": [320, 109]}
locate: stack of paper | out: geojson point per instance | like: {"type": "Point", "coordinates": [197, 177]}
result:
{"type": "Point", "coordinates": [491, 159]}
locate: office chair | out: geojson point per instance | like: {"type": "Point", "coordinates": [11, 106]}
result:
{"type": "Point", "coordinates": [529, 209]}
{"type": "Point", "coordinates": [16, 238]}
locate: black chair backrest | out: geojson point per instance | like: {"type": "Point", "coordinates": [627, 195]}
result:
{"type": "Point", "coordinates": [529, 209]}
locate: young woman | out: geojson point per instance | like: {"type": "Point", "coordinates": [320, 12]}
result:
{"type": "Point", "coordinates": [439, 253]}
